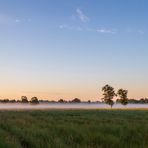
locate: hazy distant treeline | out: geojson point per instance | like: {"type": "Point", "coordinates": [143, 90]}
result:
{"type": "Point", "coordinates": [24, 99]}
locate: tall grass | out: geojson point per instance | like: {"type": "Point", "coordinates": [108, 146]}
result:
{"type": "Point", "coordinates": [74, 129]}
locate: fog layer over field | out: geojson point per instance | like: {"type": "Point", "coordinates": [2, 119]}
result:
{"type": "Point", "coordinates": [67, 106]}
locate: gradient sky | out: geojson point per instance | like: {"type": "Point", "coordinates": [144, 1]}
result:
{"type": "Point", "coordinates": [56, 49]}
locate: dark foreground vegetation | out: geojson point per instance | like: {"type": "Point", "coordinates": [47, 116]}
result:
{"type": "Point", "coordinates": [74, 129]}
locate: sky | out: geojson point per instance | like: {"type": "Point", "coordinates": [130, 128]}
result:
{"type": "Point", "coordinates": [65, 49]}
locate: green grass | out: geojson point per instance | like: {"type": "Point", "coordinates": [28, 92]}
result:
{"type": "Point", "coordinates": [74, 129]}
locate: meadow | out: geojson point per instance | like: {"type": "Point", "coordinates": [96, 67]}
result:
{"type": "Point", "coordinates": [102, 128]}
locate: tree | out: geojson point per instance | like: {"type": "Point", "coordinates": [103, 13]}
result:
{"type": "Point", "coordinates": [108, 93]}
{"type": "Point", "coordinates": [61, 101]}
{"type": "Point", "coordinates": [24, 99]}
{"type": "Point", "coordinates": [34, 100]}
{"type": "Point", "coordinates": [123, 96]}
{"type": "Point", "coordinates": [76, 100]}
{"type": "Point", "coordinates": [89, 101]}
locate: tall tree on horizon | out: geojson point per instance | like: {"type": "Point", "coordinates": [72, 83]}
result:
{"type": "Point", "coordinates": [123, 96]}
{"type": "Point", "coordinates": [109, 94]}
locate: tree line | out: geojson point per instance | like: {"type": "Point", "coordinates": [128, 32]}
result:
{"type": "Point", "coordinates": [24, 99]}
{"type": "Point", "coordinates": [108, 96]}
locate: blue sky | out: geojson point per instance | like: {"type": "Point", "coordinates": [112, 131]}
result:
{"type": "Point", "coordinates": [64, 48]}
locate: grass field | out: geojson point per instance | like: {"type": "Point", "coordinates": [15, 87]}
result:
{"type": "Point", "coordinates": [74, 129]}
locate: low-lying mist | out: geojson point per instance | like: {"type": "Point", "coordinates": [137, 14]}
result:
{"type": "Point", "coordinates": [17, 106]}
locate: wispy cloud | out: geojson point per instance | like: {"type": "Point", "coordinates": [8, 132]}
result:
{"type": "Point", "coordinates": [8, 20]}
{"type": "Point", "coordinates": [136, 31]}
{"type": "Point", "coordinates": [17, 21]}
{"type": "Point", "coordinates": [82, 16]}
{"type": "Point", "coordinates": [66, 27]}
{"type": "Point", "coordinates": [23, 20]}
{"type": "Point", "coordinates": [99, 30]}
{"type": "Point", "coordinates": [87, 29]}
{"type": "Point", "coordinates": [140, 31]}
{"type": "Point", "coordinates": [102, 30]}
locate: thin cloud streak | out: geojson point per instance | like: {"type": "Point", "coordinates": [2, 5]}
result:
{"type": "Point", "coordinates": [87, 29]}
{"type": "Point", "coordinates": [17, 21]}
{"type": "Point", "coordinates": [106, 31]}
{"type": "Point", "coordinates": [139, 31]}
{"type": "Point", "coordinates": [8, 20]}
{"type": "Point", "coordinates": [82, 16]}
{"type": "Point", "coordinates": [23, 20]}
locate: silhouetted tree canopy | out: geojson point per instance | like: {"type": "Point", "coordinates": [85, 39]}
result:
{"type": "Point", "coordinates": [89, 101]}
{"type": "Point", "coordinates": [76, 100]}
{"type": "Point", "coordinates": [34, 100]}
{"type": "Point", "coordinates": [12, 101]}
{"type": "Point", "coordinates": [108, 93]}
{"type": "Point", "coordinates": [61, 101]}
{"type": "Point", "coordinates": [24, 99]}
{"type": "Point", "coordinates": [5, 100]}
{"type": "Point", "coordinates": [123, 96]}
